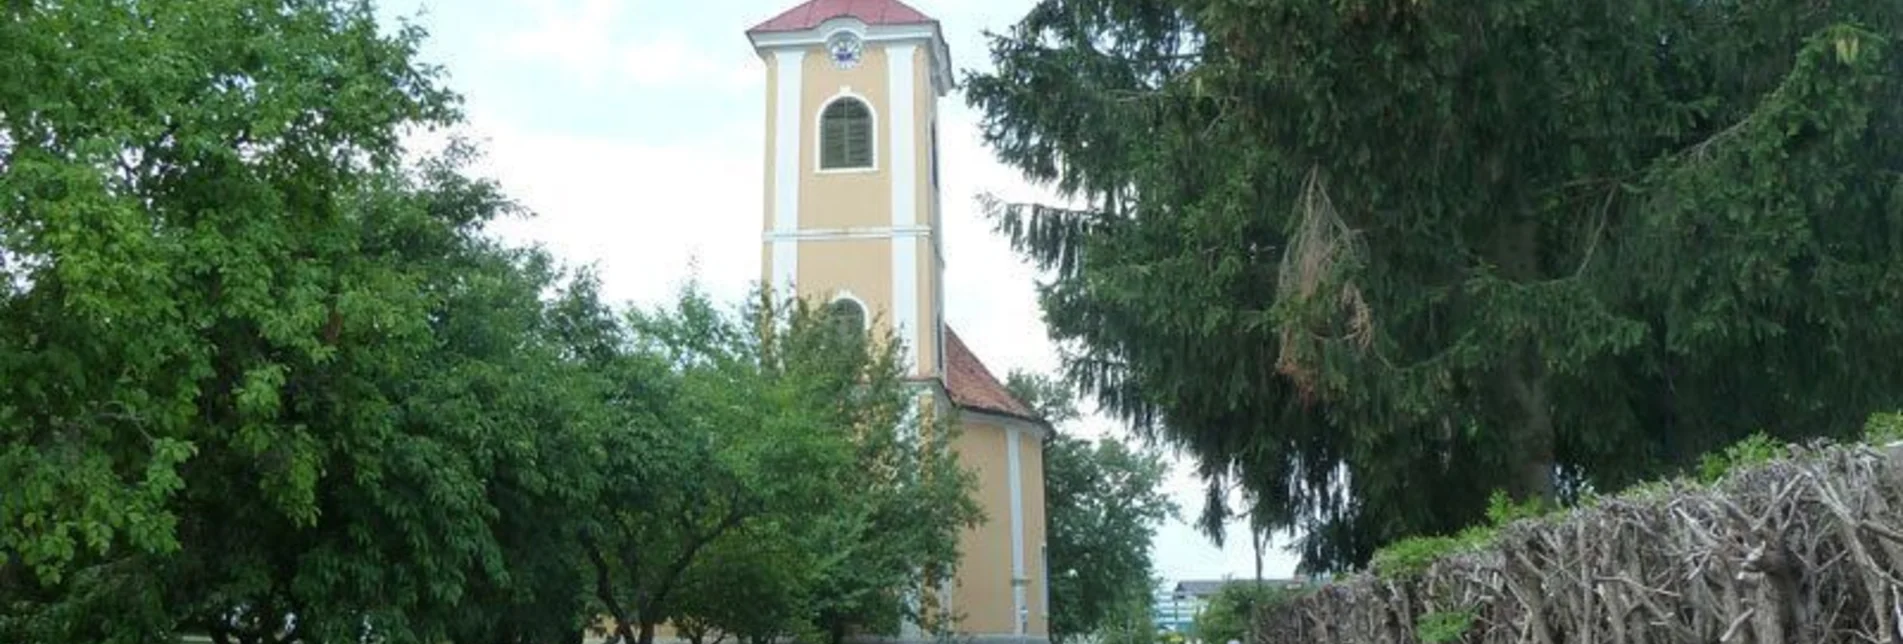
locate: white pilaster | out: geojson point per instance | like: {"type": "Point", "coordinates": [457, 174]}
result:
{"type": "Point", "coordinates": [1018, 579]}
{"type": "Point", "coordinates": [903, 161]}
{"type": "Point", "coordinates": [786, 169]}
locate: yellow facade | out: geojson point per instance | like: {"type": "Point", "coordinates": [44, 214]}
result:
{"type": "Point", "coordinates": [872, 235]}
{"type": "Point", "coordinates": [834, 206]}
{"type": "Point", "coordinates": [985, 594]}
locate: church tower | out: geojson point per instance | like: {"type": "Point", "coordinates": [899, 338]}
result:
{"type": "Point", "coordinates": [852, 222]}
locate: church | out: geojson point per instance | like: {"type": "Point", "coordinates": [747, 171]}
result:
{"type": "Point", "coordinates": [852, 221]}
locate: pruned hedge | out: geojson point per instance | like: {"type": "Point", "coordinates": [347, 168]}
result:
{"type": "Point", "coordinates": [1804, 548]}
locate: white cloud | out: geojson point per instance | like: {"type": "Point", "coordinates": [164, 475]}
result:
{"type": "Point", "coordinates": [642, 214]}
{"type": "Point", "coordinates": [578, 36]}
{"type": "Point", "coordinates": [669, 61]}
{"type": "Point", "coordinates": [590, 41]}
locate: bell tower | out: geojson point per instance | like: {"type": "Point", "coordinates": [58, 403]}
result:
{"type": "Point", "coordinates": [852, 222]}
{"type": "Point", "coordinates": [851, 164]}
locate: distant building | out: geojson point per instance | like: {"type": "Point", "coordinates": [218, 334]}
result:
{"type": "Point", "coordinates": [1177, 606]}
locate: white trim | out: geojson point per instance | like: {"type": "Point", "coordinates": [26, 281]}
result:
{"type": "Point", "coordinates": [904, 135]}
{"type": "Point", "coordinates": [942, 79]}
{"type": "Point", "coordinates": [1008, 422]}
{"type": "Point", "coordinates": [902, 95]}
{"type": "Point", "coordinates": [786, 267]}
{"type": "Point", "coordinates": [834, 234]}
{"type": "Point", "coordinates": [786, 167]}
{"type": "Point", "coordinates": [819, 133]}
{"type": "Point", "coordinates": [1018, 600]}
{"type": "Point", "coordinates": [867, 33]}
{"type": "Point", "coordinates": [905, 301]}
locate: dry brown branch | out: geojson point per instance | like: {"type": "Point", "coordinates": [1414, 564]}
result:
{"type": "Point", "coordinates": [1808, 548]}
{"type": "Point", "coordinates": [1324, 306]}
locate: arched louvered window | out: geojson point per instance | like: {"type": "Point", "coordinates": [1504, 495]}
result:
{"type": "Point", "coordinates": [848, 314]}
{"type": "Point", "coordinates": [845, 135]}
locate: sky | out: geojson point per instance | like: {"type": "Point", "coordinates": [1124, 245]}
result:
{"type": "Point", "coordinates": [634, 130]}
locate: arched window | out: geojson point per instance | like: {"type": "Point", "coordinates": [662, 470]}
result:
{"type": "Point", "coordinates": [845, 135]}
{"type": "Point", "coordinates": [848, 314]}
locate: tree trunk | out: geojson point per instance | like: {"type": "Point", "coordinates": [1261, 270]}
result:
{"type": "Point", "coordinates": [1534, 438]}
{"type": "Point", "coordinates": [647, 631]}
{"type": "Point", "coordinates": [836, 631]}
{"type": "Point", "coordinates": [1517, 253]}
{"type": "Point", "coordinates": [604, 592]}
{"type": "Point", "coordinates": [1256, 539]}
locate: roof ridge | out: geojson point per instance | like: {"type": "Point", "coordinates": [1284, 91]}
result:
{"type": "Point", "coordinates": [813, 13]}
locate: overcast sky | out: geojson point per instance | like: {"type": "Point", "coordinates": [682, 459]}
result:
{"type": "Point", "coordinates": [634, 130]}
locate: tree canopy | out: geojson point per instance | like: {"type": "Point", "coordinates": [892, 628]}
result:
{"type": "Point", "coordinates": [266, 377]}
{"type": "Point", "coordinates": [1230, 614]}
{"type": "Point", "coordinates": [1372, 260]}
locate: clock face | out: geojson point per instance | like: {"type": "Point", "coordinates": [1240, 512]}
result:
{"type": "Point", "coordinates": [845, 49]}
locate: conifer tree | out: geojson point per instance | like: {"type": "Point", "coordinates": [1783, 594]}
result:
{"type": "Point", "coordinates": [1375, 259]}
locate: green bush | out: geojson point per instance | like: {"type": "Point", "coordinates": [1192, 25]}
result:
{"type": "Point", "coordinates": [1441, 627]}
{"type": "Point", "coordinates": [1413, 556]}
{"type": "Point", "coordinates": [1233, 608]}
{"type": "Point", "coordinates": [1883, 429]}
{"type": "Point", "coordinates": [1756, 449]}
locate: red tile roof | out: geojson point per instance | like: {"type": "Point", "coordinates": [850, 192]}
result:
{"type": "Point", "coordinates": [972, 386]}
{"type": "Point", "coordinates": [871, 12]}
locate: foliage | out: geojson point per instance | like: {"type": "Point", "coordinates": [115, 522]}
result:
{"type": "Point", "coordinates": [1105, 502]}
{"type": "Point", "coordinates": [1049, 397]}
{"type": "Point", "coordinates": [897, 533]}
{"type": "Point", "coordinates": [1130, 621]}
{"type": "Point", "coordinates": [252, 365]}
{"type": "Point", "coordinates": [1230, 614]}
{"type": "Point", "coordinates": [261, 380]}
{"type": "Point", "coordinates": [1753, 450]}
{"type": "Point", "coordinates": [1440, 627]}
{"type": "Point", "coordinates": [1502, 509]}
{"type": "Point", "coordinates": [1883, 429]}
{"type": "Point", "coordinates": [125, 273]}
{"type": "Point", "coordinates": [753, 585]}
{"type": "Point", "coordinates": [1370, 270]}
{"type": "Point", "coordinates": [769, 416]}
{"type": "Point", "coordinates": [1412, 556]}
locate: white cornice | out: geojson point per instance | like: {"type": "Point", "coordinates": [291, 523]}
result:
{"type": "Point", "coordinates": [1039, 430]}
{"type": "Point", "coordinates": [834, 234]}
{"type": "Point", "coordinates": [942, 79]}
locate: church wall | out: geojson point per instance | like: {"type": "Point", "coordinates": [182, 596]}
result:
{"type": "Point", "coordinates": [983, 594]}
{"type": "Point", "coordinates": [828, 267]}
